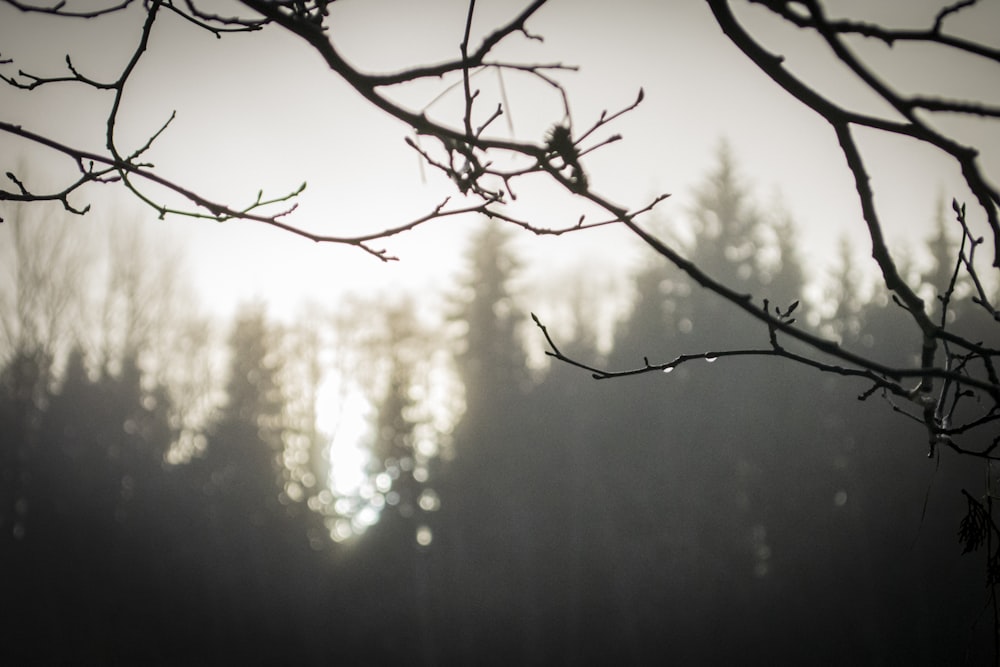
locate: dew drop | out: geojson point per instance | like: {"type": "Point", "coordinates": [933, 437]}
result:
{"type": "Point", "coordinates": [668, 369]}
{"type": "Point", "coordinates": [711, 360]}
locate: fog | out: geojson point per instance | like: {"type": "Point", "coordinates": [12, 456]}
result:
{"type": "Point", "coordinates": [225, 444]}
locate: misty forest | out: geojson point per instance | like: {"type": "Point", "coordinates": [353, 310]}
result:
{"type": "Point", "coordinates": [693, 447]}
{"type": "Point", "coordinates": [740, 510]}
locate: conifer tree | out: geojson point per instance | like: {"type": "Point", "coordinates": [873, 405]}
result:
{"type": "Point", "coordinates": [843, 321]}
{"type": "Point", "coordinates": [236, 482]}
{"type": "Point", "coordinates": [728, 230]}
{"type": "Point", "coordinates": [239, 469]}
{"type": "Point", "coordinates": [492, 363]}
{"type": "Point", "coordinates": [489, 497]}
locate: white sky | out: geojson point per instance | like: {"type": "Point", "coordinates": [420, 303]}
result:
{"type": "Point", "coordinates": [261, 111]}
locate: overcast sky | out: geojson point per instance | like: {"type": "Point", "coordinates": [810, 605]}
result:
{"type": "Point", "coordinates": [262, 111]}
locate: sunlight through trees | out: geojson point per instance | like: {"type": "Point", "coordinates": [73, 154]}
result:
{"type": "Point", "coordinates": [747, 462]}
{"type": "Point", "coordinates": [537, 523]}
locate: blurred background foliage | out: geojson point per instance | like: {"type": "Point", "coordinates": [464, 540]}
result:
{"type": "Point", "coordinates": [166, 500]}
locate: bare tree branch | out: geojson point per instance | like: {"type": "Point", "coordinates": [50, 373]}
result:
{"type": "Point", "coordinates": [967, 369]}
{"type": "Point", "coordinates": [470, 157]}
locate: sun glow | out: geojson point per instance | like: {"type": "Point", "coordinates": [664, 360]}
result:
{"type": "Point", "coordinates": [359, 489]}
{"type": "Point", "coordinates": [346, 415]}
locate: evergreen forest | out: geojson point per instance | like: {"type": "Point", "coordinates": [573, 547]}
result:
{"type": "Point", "coordinates": [740, 510]}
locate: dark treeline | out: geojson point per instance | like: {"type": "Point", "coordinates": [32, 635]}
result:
{"type": "Point", "coordinates": [745, 511]}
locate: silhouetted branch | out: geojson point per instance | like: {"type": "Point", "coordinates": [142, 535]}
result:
{"type": "Point", "coordinates": [471, 159]}
{"type": "Point", "coordinates": [59, 9]}
{"type": "Point", "coordinates": [831, 32]}
{"type": "Point", "coordinates": [468, 152]}
{"type": "Point", "coordinates": [955, 379]}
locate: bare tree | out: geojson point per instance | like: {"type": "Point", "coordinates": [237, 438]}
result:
{"type": "Point", "coordinates": [953, 389]}
{"type": "Point", "coordinates": [953, 370]}
{"type": "Point", "coordinates": [42, 279]}
{"type": "Point", "coordinates": [464, 150]}
{"type": "Point", "coordinates": [467, 151]}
